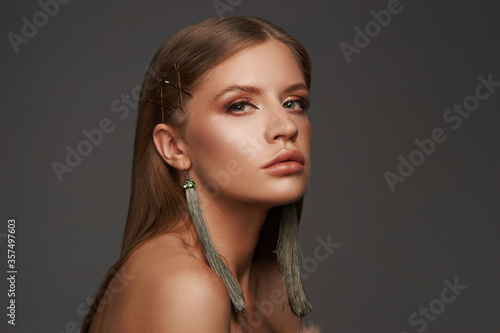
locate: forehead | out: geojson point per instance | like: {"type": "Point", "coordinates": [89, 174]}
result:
{"type": "Point", "coordinates": [270, 63]}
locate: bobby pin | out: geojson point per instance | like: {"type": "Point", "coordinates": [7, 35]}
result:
{"type": "Point", "coordinates": [159, 81]}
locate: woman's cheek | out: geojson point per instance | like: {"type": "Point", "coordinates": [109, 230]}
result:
{"type": "Point", "coordinates": [215, 152]}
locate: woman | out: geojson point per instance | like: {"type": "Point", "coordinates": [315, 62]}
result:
{"type": "Point", "coordinates": [222, 157]}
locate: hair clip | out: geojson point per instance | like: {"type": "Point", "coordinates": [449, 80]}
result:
{"type": "Point", "coordinates": [160, 81]}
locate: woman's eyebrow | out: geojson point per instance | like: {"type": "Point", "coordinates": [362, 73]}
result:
{"type": "Point", "coordinates": [234, 88]}
{"type": "Point", "coordinates": [255, 90]}
{"type": "Point", "coordinates": [295, 87]}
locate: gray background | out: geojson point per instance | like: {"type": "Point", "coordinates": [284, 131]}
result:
{"type": "Point", "coordinates": [395, 248]}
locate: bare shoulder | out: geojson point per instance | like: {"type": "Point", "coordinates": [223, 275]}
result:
{"type": "Point", "coordinates": [171, 290]}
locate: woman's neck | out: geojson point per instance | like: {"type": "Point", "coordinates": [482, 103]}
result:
{"type": "Point", "coordinates": [234, 229]}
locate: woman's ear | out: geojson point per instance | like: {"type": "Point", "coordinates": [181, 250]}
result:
{"type": "Point", "coordinates": [170, 147]}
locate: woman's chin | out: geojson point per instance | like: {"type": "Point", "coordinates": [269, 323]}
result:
{"type": "Point", "coordinates": [286, 198]}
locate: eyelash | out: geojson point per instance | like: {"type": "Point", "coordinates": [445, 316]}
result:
{"type": "Point", "coordinates": [303, 104]}
{"type": "Point", "coordinates": [231, 106]}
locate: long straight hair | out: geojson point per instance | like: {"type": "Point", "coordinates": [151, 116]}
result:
{"type": "Point", "coordinates": [157, 201]}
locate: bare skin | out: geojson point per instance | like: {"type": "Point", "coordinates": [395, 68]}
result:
{"type": "Point", "coordinates": [244, 113]}
{"type": "Point", "coordinates": [172, 289]}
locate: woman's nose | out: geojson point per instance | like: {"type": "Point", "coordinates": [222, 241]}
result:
{"type": "Point", "coordinates": [280, 125]}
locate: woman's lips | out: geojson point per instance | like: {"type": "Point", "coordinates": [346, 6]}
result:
{"type": "Point", "coordinates": [287, 161]}
{"type": "Point", "coordinates": [284, 168]}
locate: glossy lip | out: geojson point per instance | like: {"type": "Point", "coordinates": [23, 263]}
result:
{"type": "Point", "coordinates": [286, 161]}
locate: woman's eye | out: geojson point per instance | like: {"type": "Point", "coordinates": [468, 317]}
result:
{"type": "Point", "coordinates": [293, 104]}
{"type": "Point", "coordinates": [240, 107]}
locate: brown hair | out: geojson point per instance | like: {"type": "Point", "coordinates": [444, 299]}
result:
{"type": "Point", "coordinates": [157, 199]}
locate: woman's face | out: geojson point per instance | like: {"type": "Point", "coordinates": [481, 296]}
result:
{"type": "Point", "coordinates": [248, 135]}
